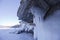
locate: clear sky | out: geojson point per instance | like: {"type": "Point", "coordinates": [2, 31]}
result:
{"type": "Point", "coordinates": [8, 12]}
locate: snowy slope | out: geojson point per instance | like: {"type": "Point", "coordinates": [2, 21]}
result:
{"type": "Point", "coordinates": [5, 34]}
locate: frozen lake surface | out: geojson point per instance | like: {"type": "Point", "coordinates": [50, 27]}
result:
{"type": "Point", "coordinates": [7, 34]}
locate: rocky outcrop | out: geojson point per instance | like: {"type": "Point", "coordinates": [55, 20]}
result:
{"type": "Point", "coordinates": [23, 13]}
{"type": "Point", "coordinates": [45, 16]}
{"type": "Point", "coordinates": [25, 5]}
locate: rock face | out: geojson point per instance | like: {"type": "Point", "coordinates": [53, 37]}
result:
{"type": "Point", "coordinates": [24, 12]}
{"type": "Point", "coordinates": [45, 15]}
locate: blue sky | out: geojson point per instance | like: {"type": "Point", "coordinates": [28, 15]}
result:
{"type": "Point", "coordinates": [8, 12]}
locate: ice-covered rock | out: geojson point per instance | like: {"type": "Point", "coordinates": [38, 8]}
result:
{"type": "Point", "coordinates": [45, 15]}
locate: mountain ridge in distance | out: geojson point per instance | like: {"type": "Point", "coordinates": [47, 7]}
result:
{"type": "Point", "coordinates": [1, 26]}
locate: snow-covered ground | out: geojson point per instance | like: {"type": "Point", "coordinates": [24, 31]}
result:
{"type": "Point", "coordinates": [8, 34]}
